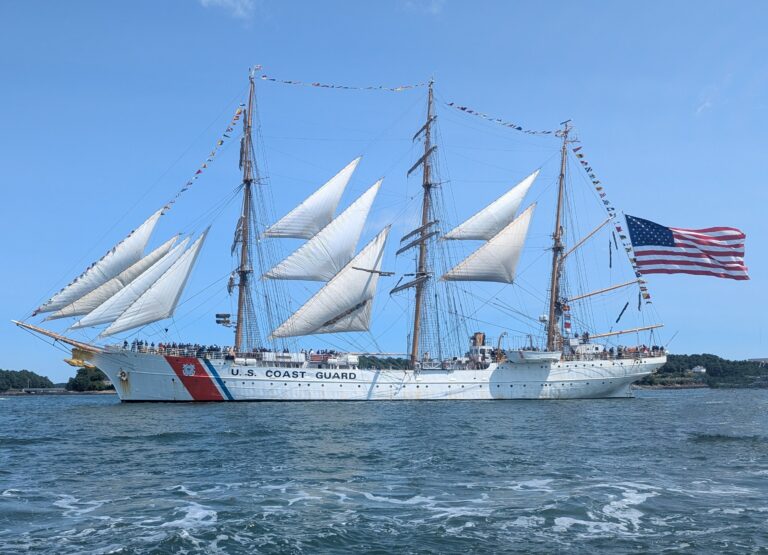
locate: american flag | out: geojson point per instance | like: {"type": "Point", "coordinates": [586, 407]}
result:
{"type": "Point", "coordinates": [713, 251]}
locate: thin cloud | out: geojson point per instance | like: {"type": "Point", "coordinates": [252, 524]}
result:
{"type": "Point", "coordinates": [706, 105]}
{"type": "Point", "coordinates": [714, 94]}
{"type": "Point", "coordinates": [239, 9]}
{"type": "Point", "coordinates": [429, 7]}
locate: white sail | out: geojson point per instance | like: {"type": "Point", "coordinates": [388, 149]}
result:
{"type": "Point", "coordinates": [124, 254]}
{"type": "Point", "coordinates": [160, 300]}
{"type": "Point", "coordinates": [344, 303]}
{"type": "Point", "coordinates": [494, 217]}
{"type": "Point", "coordinates": [312, 215]}
{"type": "Point", "coordinates": [92, 300]}
{"type": "Point", "coordinates": [495, 260]}
{"type": "Point", "coordinates": [111, 309]}
{"type": "Point", "coordinates": [321, 258]}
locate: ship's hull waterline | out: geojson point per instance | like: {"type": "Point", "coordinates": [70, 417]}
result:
{"type": "Point", "coordinates": [155, 377]}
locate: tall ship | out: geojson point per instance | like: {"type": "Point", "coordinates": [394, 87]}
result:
{"type": "Point", "coordinates": [276, 355]}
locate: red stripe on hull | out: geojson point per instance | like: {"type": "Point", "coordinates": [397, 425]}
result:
{"type": "Point", "coordinates": [194, 377]}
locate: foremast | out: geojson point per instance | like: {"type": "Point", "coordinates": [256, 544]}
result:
{"type": "Point", "coordinates": [245, 329]}
{"type": "Point", "coordinates": [554, 339]}
{"type": "Point", "coordinates": [421, 268]}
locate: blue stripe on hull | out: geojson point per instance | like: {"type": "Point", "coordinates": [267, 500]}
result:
{"type": "Point", "coordinates": [218, 379]}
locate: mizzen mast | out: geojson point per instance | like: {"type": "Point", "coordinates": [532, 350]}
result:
{"type": "Point", "coordinates": [426, 183]}
{"type": "Point", "coordinates": [244, 326]}
{"type": "Point", "coordinates": [553, 335]}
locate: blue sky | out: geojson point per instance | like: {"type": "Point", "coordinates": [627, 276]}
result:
{"type": "Point", "coordinates": [107, 108]}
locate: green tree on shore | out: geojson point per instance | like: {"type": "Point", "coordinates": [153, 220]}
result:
{"type": "Point", "coordinates": [720, 372]}
{"type": "Point", "coordinates": [89, 379]}
{"type": "Point", "coordinates": [19, 379]}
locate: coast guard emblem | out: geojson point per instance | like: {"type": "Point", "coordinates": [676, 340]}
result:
{"type": "Point", "coordinates": [188, 369]}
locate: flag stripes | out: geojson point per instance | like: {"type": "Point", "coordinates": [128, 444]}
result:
{"type": "Point", "coordinates": [713, 251]}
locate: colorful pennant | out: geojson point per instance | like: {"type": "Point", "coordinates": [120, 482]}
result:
{"type": "Point", "coordinates": [343, 87]}
{"type": "Point", "coordinates": [211, 155]}
{"type": "Point", "coordinates": [613, 214]}
{"type": "Point", "coordinates": [509, 124]}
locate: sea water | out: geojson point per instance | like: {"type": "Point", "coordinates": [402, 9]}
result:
{"type": "Point", "coordinates": [677, 471]}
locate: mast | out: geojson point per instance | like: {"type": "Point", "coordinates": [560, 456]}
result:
{"type": "Point", "coordinates": [557, 247]}
{"type": "Point", "coordinates": [421, 270]}
{"type": "Point", "coordinates": [245, 269]}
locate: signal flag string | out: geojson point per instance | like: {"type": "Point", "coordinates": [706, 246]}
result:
{"type": "Point", "coordinates": [211, 156]}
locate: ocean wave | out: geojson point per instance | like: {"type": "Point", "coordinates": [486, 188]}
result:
{"type": "Point", "coordinates": [726, 438]}
{"type": "Point", "coordinates": [193, 516]}
{"type": "Point", "coordinates": [10, 441]}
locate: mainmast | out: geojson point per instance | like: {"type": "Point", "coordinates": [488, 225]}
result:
{"type": "Point", "coordinates": [245, 269]}
{"type": "Point", "coordinates": [421, 271]}
{"type": "Point", "coordinates": [553, 336]}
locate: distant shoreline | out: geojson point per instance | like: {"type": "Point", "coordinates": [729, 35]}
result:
{"type": "Point", "coordinates": [676, 386]}
{"type": "Point", "coordinates": [53, 392]}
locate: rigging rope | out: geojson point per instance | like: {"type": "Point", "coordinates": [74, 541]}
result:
{"type": "Point", "coordinates": [227, 134]}
{"type": "Point", "coordinates": [608, 205]}
{"type": "Point", "coordinates": [399, 88]}
{"type": "Point", "coordinates": [505, 123]}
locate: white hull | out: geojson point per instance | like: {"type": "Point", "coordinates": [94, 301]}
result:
{"type": "Point", "coordinates": [154, 377]}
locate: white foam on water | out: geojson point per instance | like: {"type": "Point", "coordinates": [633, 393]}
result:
{"type": "Point", "coordinates": [458, 529]}
{"type": "Point", "coordinates": [456, 512]}
{"type": "Point", "coordinates": [74, 507]}
{"type": "Point", "coordinates": [564, 523]}
{"type": "Point", "coordinates": [183, 489]}
{"type": "Point", "coordinates": [623, 509]}
{"type": "Point", "coordinates": [726, 511]}
{"type": "Point", "coordinates": [195, 516]}
{"type": "Point", "coordinates": [415, 500]}
{"type": "Point", "coordinates": [343, 497]}
{"type": "Point", "coordinates": [733, 490]}
{"type": "Point", "coordinates": [303, 496]}
{"type": "Point", "coordinates": [11, 493]}
{"type": "Point", "coordinates": [282, 488]}
{"type": "Point", "coordinates": [538, 485]}
{"type": "Point", "coordinates": [637, 485]}
{"type": "Point", "coordinates": [527, 522]}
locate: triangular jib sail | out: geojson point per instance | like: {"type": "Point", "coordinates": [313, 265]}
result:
{"type": "Point", "coordinates": [126, 253]}
{"type": "Point", "coordinates": [321, 258]}
{"type": "Point", "coordinates": [494, 217]}
{"type": "Point", "coordinates": [312, 215]}
{"type": "Point", "coordinates": [160, 300]}
{"type": "Point", "coordinates": [497, 259]}
{"type": "Point", "coordinates": [92, 300]}
{"type": "Point", "coordinates": [112, 308]}
{"type": "Point", "coordinates": [344, 304]}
